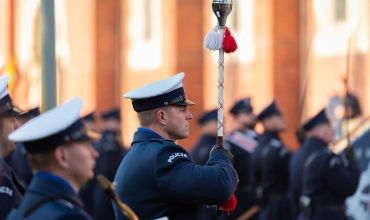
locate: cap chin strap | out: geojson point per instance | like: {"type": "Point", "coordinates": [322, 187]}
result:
{"type": "Point", "coordinates": [8, 107]}
{"type": "Point", "coordinates": [181, 98]}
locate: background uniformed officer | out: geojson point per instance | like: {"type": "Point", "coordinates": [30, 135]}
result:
{"type": "Point", "coordinates": [18, 160]}
{"type": "Point", "coordinates": [88, 190]}
{"type": "Point", "coordinates": [200, 153]}
{"type": "Point", "coordinates": [158, 177]}
{"type": "Point", "coordinates": [111, 153]}
{"type": "Point", "coordinates": [242, 143]}
{"type": "Point", "coordinates": [270, 166]}
{"type": "Point", "coordinates": [90, 121]}
{"type": "Point", "coordinates": [10, 188]}
{"type": "Point", "coordinates": [321, 180]}
{"type": "Point", "coordinates": [208, 127]}
{"type": "Point", "coordinates": [61, 154]}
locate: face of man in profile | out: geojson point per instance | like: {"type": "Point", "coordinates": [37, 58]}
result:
{"type": "Point", "coordinates": [8, 124]}
{"type": "Point", "coordinates": [247, 119]}
{"type": "Point", "coordinates": [325, 132]}
{"type": "Point", "coordinates": [177, 122]}
{"type": "Point", "coordinates": [80, 156]}
{"type": "Point", "coordinates": [275, 123]}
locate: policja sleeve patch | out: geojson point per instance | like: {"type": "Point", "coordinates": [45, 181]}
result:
{"type": "Point", "coordinates": [175, 155]}
{"type": "Point", "coordinates": [6, 190]}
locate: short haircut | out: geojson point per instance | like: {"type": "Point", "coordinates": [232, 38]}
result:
{"type": "Point", "coordinates": [146, 118]}
{"type": "Point", "coordinates": [42, 160]}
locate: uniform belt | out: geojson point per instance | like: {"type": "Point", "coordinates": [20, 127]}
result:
{"type": "Point", "coordinates": [275, 195]}
{"type": "Point", "coordinates": [271, 196]}
{"type": "Point", "coordinates": [245, 188]}
{"type": "Point", "coordinates": [333, 207]}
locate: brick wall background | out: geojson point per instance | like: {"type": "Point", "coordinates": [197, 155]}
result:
{"type": "Point", "coordinates": [274, 36]}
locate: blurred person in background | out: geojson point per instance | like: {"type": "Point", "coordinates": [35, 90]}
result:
{"type": "Point", "coordinates": [88, 190]}
{"type": "Point", "coordinates": [208, 127]}
{"type": "Point", "coordinates": [11, 190]}
{"type": "Point", "coordinates": [341, 106]}
{"type": "Point", "coordinates": [90, 121]}
{"type": "Point", "coordinates": [321, 180]}
{"type": "Point", "coordinates": [242, 142]}
{"type": "Point", "coordinates": [200, 153]}
{"type": "Point", "coordinates": [18, 160]}
{"type": "Point", "coordinates": [270, 167]}
{"type": "Point", "coordinates": [111, 151]}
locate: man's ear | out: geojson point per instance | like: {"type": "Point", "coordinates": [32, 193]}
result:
{"type": "Point", "coordinates": [161, 116]}
{"type": "Point", "coordinates": [61, 156]}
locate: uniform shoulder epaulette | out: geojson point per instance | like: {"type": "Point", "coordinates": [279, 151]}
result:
{"type": "Point", "coordinates": [331, 159]}
{"type": "Point", "coordinates": [62, 200]}
{"type": "Point", "coordinates": [65, 204]}
{"type": "Point", "coordinates": [161, 140]}
{"type": "Point", "coordinates": [275, 143]}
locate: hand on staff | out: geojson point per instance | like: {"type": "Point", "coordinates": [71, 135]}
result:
{"type": "Point", "coordinates": [222, 151]}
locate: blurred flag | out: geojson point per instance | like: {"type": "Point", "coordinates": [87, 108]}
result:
{"type": "Point", "coordinates": [10, 70]}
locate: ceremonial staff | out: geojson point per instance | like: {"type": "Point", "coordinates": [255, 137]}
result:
{"type": "Point", "coordinates": [302, 105]}
{"type": "Point", "coordinates": [348, 150]}
{"type": "Point", "coordinates": [219, 38]}
{"type": "Point", "coordinates": [109, 189]}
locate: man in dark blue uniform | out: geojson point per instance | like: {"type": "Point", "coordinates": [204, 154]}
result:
{"type": "Point", "coordinates": [158, 177]}
{"type": "Point", "coordinates": [208, 124]}
{"type": "Point", "coordinates": [10, 188]}
{"type": "Point", "coordinates": [242, 143]}
{"type": "Point", "coordinates": [270, 167]}
{"type": "Point", "coordinates": [320, 180]}
{"type": "Point", "coordinates": [111, 153]}
{"type": "Point", "coordinates": [18, 160]}
{"type": "Point", "coordinates": [60, 152]}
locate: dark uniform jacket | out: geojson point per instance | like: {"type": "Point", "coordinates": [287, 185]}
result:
{"type": "Point", "coordinates": [18, 161]}
{"type": "Point", "coordinates": [11, 190]}
{"type": "Point", "coordinates": [270, 172]}
{"type": "Point", "coordinates": [49, 197]}
{"type": "Point", "coordinates": [158, 178]}
{"type": "Point", "coordinates": [111, 154]}
{"type": "Point", "coordinates": [242, 145]}
{"type": "Point", "coordinates": [328, 180]}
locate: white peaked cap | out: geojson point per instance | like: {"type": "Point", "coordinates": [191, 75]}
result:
{"type": "Point", "coordinates": [157, 88]}
{"type": "Point", "coordinates": [168, 91]}
{"type": "Point", "coordinates": [50, 122]}
{"type": "Point", "coordinates": [4, 86]}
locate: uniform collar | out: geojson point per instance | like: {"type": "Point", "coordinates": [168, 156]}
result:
{"type": "Point", "coordinates": [314, 143]}
{"type": "Point", "coordinates": [4, 166]}
{"type": "Point", "coordinates": [145, 134]}
{"type": "Point", "coordinates": [272, 134]}
{"type": "Point", "coordinates": [147, 130]}
{"type": "Point", "coordinates": [57, 183]}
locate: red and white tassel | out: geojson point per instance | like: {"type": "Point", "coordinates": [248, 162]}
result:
{"type": "Point", "coordinates": [212, 40]}
{"type": "Point", "coordinates": [229, 42]}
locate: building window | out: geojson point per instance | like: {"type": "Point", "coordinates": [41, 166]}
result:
{"type": "Point", "coordinates": [235, 21]}
{"type": "Point", "coordinates": [340, 10]}
{"type": "Point", "coordinates": [148, 19]}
